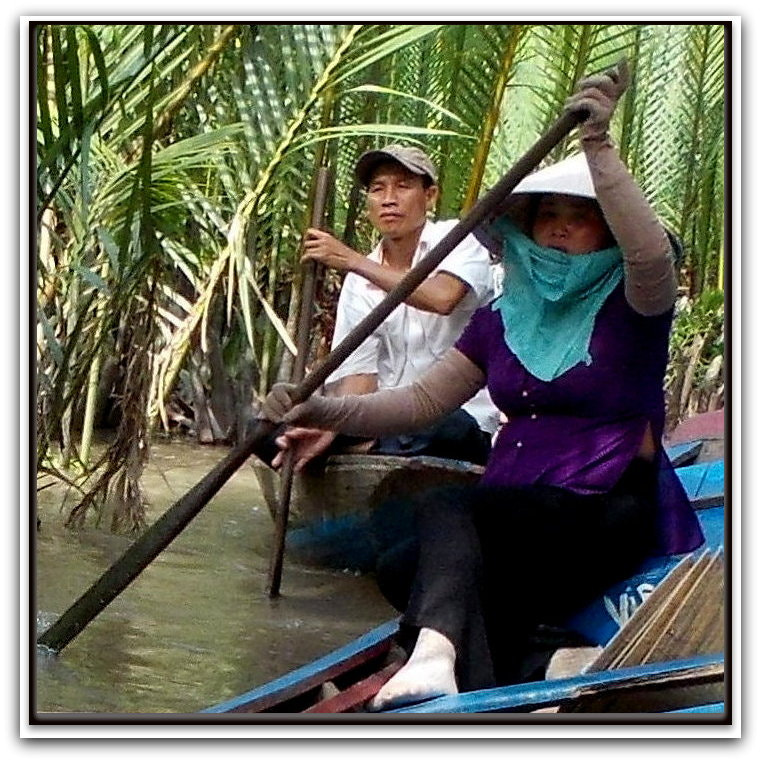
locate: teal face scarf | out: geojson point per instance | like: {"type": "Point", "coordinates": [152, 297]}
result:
{"type": "Point", "coordinates": [550, 301]}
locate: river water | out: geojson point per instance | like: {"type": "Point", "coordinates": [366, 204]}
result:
{"type": "Point", "coordinates": [196, 627]}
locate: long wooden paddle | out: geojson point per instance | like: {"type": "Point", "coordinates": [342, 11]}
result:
{"type": "Point", "coordinates": [258, 440]}
{"type": "Point", "coordinates": [303, 336]}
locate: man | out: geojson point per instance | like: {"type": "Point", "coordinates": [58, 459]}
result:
{"type": "Point", "coordinates": [401, 189]}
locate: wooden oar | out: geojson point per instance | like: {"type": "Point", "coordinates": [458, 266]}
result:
{"type": "Point", "coordinates": [303, 336]}
{"type": "Point", "coordinates": [258, 441]}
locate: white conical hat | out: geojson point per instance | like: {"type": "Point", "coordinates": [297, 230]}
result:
{"type": "Point", "coordinates": [570, 176]}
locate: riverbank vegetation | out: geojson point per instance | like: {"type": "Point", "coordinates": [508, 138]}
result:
{"type": "Point", "coordinates": [175, 175]}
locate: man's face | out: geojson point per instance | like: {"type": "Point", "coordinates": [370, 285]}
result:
{"type": "Point", "coordinates": [397, 201]}
{"type": "Point", "coordinates": [570, 224]}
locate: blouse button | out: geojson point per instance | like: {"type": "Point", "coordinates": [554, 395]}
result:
{"type": "Point", "coordinates": [519, 444]}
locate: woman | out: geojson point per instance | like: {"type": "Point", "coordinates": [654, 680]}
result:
{"type": "Point", "coordinates": [577, 491]}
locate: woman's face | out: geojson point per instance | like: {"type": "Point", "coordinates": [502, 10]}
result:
{"type": "Point", "coordinates": [570, 224]}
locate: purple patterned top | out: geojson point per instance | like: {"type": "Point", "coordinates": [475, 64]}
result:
{"type": "Point", "coordinates": [581, 430]}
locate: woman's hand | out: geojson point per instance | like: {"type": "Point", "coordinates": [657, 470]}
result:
{"type": "Point", "coordinates": [279, 407]}
{"type": "Point", "coordinates": [279, 402]}
{"type": "Point", "coordinates": [597, 96]}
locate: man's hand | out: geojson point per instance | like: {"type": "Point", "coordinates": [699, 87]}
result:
{"type": "Point", "coordinates": [322, 247]}
{"type": "Point", "coordinates": [306, 443]}
{"type": "Point", "coordinates": [598, 96]}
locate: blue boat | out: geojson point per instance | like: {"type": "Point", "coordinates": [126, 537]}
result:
{"type": "Point", "coordinates": [673, 675]}
{"type": "Point", "coordinates": [343, 680]}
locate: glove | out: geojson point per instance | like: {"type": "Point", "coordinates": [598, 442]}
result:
{"type": "Point", "coordinates": [322, 412]}
{"type": "Point", "coordinates": [278, 402]}
{"type": "Point", "coordinates": [598, 95]}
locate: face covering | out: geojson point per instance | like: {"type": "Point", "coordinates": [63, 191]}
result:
{"type": "Point", "coordinates": [550, 301]}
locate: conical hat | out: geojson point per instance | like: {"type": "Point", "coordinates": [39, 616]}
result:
{"type": "Point", "coordinates": [570, 176]}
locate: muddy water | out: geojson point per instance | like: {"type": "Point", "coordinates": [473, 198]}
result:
{"type": "Point", "coordinates": [196, 627]}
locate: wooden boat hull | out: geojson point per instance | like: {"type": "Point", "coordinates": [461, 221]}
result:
{"type": "Point", "coordinates": [331, 502]}
{"type": "Point", "coordinates": [356, 484]}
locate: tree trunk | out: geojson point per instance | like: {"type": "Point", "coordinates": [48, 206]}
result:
{"type": "Point", "coordinates": [204, 431]}
{"type": "Point", "coordinates": [222, 394]}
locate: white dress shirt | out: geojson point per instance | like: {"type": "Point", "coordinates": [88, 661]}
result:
{"type": "Point", "coordinates": [410, 340]}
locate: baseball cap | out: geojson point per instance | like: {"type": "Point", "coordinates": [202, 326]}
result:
{"type": "Point", "coordinates": [414, 159]}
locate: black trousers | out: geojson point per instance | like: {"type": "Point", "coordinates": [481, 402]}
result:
{"type": "Point", "coordinates": [486, 566]}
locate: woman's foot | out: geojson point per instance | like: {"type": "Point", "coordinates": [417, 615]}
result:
{"type": "Point", "coordinates": [428, 673]}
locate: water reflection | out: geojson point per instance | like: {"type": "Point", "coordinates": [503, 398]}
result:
{"type": "Point", "coordinates": [196, 627]}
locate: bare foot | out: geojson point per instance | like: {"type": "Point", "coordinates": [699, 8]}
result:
{"type": "Point", "coordinates": [428, 673]}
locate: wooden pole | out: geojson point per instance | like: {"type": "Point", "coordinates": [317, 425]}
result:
{"type": "Point", "coordinates": [259, 440]}
{"type": "Point", "coordinates": [303, 336]}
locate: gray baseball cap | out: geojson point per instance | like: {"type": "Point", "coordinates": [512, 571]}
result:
{"type": "Point", "coordinates": [412, 158]}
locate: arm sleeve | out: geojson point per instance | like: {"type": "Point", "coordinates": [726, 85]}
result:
{"type": "Point", "coordinates": [443, 388]}
{"type": "Point", "coordinates": [649, 272]}
{"type": "Point", "coordinates": [470, 262]}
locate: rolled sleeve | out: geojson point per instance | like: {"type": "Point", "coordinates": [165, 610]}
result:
{"type": "Point", "coordinates": [470, 262]}
{"type": "Point", "coordinates": [352, 308]}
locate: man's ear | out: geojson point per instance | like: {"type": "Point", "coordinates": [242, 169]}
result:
{"type": "Point", "coordinates": [431, 194]}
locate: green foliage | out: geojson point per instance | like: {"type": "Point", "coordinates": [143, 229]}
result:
{"type": "Point", "coordinates": [702, 317]}
{"type": "Point", "coordinates": [695, 378]}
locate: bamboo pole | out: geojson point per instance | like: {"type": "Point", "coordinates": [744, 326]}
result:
{"type": "Point", "coordinates": [259, 440]}
{"type": "Point", "coordinates": [303, 335]}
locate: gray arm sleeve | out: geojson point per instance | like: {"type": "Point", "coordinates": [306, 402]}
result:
{"type": "Point", "coordinates": [649, 272]}
{"type": "Point", "coordinates": [443, 388]}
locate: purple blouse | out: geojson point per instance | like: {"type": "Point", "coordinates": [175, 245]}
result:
{"type": "Point", "coordinates": [581, 430]}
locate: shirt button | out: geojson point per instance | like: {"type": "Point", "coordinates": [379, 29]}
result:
{"type": "Point", "coordinates": [519, 444]}
{"type": "Point", "coordinates": [533, 416]}
{"type": "Point", "coordinates": [524, 393]}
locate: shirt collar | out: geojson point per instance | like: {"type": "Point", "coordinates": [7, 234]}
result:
{"type": "Point", "coordinates": [424, 244]}
{"type": "Point", "coordinates": [429, 232]}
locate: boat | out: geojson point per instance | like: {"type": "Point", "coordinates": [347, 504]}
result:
{"type": "Point", "coordinates": [331, 502]}
{"type": "Point", "coordinates": [659, 633]}
{"type": "Point", "coordinates": [706, 430]}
